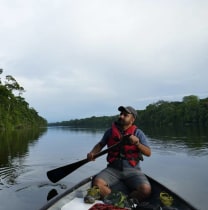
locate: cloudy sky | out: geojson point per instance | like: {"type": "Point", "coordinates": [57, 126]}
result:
{"type": "Point", "coordinates": [83, 58]}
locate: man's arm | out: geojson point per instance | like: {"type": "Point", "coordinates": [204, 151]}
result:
{"type": "Point", "coordinates": [141, 142]}
{"type": "Point", "coordinates": [97, 148]}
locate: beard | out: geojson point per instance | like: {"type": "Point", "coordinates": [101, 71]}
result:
{"type": "Point", "coordinates": [121, 122]}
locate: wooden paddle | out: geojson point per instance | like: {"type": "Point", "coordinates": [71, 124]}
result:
{"type": "Point", "coordinates": [59, 173]}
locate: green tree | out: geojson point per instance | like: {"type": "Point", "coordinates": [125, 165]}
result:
{"type": "Point", "coordinates": [191, 111]}
{"type": "Point", "coordinates": [14, 110]}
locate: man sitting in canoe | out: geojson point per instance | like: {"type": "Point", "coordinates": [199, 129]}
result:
{"type": "Point", "coordinates": [123, 171]}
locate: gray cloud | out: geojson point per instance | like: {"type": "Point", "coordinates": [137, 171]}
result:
{"type": "Point", "coordinates": [83, 58]}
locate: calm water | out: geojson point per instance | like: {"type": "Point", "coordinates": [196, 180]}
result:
{"type": "Point", "coordinates": [179, 160]}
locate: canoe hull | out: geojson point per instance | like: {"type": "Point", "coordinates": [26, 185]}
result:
{"type": "Point", "coordinates": [73, 197]}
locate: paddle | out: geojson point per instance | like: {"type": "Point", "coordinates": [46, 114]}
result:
{"type": "Point", "coordinates": [59, 173]}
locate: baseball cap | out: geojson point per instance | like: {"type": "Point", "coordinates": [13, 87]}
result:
{"type": "Point", "coordinates": [129, 110]}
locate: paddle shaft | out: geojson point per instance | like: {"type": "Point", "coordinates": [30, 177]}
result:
{"type": "Point", "coordinates": [59, 173]}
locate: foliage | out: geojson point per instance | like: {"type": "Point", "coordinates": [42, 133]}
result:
{"type": "Point", "coordinates": [104, 121]}
{"type": "Point", "coordinates": [191, 111]}
{"type": "Point", "coordinates": [14, 110]}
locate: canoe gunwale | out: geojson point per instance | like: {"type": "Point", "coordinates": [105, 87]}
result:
{"type": "Point", "coordinates": [87, 181]}
{"type": "Point", "coordinates": [65, 193]}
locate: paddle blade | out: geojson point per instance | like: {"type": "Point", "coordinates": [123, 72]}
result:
{"type": "Point", "coordinates": [56, 174]}
{"type": "Point", "coordinates": [59, 173]}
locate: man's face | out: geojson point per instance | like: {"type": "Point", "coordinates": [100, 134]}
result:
{"type": "Point", "coordinates": [125, 119]}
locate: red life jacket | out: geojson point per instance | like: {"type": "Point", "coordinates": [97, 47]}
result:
{"type": "Point", "coordinates": [125, 151]}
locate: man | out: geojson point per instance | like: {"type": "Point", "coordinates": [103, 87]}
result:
{"type": "Point", "coordinates": [123, 171]}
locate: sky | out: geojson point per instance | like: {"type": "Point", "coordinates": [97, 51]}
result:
{"type": "Point", "coordinates": [78, 58]}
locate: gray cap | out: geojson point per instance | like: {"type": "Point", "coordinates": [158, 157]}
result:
{"type": "Point", "coordinates": [129, 110]}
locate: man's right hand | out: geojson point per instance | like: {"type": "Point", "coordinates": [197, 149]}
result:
{"type": "Point", "coordinates": [90, 156]}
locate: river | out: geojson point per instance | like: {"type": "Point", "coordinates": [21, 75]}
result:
{"type": "Point", "coordinates": [179, 160]}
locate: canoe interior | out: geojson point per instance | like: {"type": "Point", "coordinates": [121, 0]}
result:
{"type": "Point", "coordinates": [179, 203]}
{"type": "Point", "coordinates": [79, 191]}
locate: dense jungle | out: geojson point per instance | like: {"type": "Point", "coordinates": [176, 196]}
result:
{"type": "Point", "coordinates": [15, 112]}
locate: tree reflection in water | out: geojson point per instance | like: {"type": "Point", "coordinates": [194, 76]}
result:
{"type": "Point", "coordinates": [13, 151]}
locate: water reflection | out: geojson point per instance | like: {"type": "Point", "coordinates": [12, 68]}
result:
{"type": "Point", "coordinates": [51, 194]}
{"type": "Point", "coordinates": [13, 150]}
{"type": "Point", "coordinates": [77, 130]}
{"type": "Point", "coordinates": [191, 140]}
{"type": "Point", "coordinates": [166, 132]}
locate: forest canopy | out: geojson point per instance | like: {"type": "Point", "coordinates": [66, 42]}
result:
{"type": "Point", "coordinates": [14, 110]}
{"type": "Point", "coordinates": [190, 111]}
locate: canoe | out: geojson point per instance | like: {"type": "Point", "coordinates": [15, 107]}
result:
{"type": "Point", "coordinates": [72, 198]}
